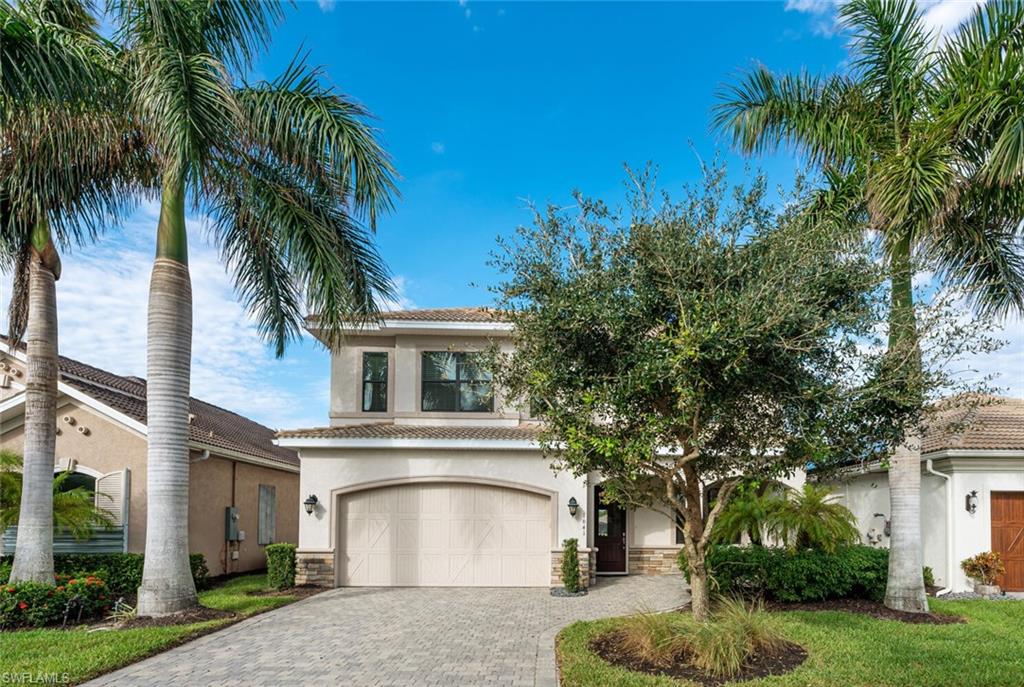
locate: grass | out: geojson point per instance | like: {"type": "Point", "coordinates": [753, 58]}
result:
{"type": "Point", "coordinates": [81, 655]}
{"type": "Point", "coordinates": [851, 649]}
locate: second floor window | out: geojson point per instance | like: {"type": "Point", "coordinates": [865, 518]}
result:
{"type": "Point", "coordinates": [456, 382]}
{"type": "Point", "coordinates": [375, 382]}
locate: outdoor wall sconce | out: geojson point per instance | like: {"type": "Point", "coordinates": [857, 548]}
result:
{"type": "Point", "coordinates": [310, 503]}
{"type": "Point", "coordinates": [573, 506]}
{"type": "Point", "coordinates": [971, 502]}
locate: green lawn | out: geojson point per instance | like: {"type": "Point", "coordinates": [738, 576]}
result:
{"type": "Point", "coordinates": [83, 655]}
{"type": "Point", "coordinates": [849, 649]}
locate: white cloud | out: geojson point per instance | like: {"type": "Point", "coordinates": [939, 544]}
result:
{"type": "Point", "coordinates": [401, 299]}
{"type": "Point", "coordinates": [102, 303]}
{"type": "Point", "coordinates": [939, 16]}
{"type": "Point", "coordinates": [326, 5]}
{"type": "Point", "coordinates": [437, 147]}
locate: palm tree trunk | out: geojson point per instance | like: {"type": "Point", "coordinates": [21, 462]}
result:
{"type": "Point", "coordinates": [167, 585]}
{"type": "Point", "coordinates": [33, 557]}
{"type": "Point", "coordinates": [905, 587]}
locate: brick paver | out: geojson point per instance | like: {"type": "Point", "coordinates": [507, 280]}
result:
{"type": "Point", "coordinates": [399, 636]}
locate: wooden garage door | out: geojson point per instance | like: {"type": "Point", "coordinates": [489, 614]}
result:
{"type": "Point", "coordinates": [445, 535]}
{"type": "Point", "coordinates": [1008, 536]}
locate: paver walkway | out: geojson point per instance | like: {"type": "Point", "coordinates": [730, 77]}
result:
{"type": "Point", "coordinates": [399, 636]}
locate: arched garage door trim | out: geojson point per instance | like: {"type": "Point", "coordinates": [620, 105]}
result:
{"type": "Point", "coordinates": [338, 493]}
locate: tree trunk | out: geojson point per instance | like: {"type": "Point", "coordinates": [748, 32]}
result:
{"type": "Point", "coordinates": [33, 557]}
{"type": "Point", "coordinates": [167, 584]}
{"type": "Point", "coordinates": [905, 587]}
{"type": "Point", "coordinates": [700, 602]}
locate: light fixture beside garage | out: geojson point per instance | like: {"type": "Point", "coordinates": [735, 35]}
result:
{"type": "Point", "coordinates": [573, 506]}
{"type": "Point", "coordinates": [971, 502]}
{"type": "Point", "coordinates": [310, 503]}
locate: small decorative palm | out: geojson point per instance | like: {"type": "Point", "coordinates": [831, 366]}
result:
{"type": "Point", "coordinates": [73, 509]}
{"type": "Point", "coordinates": [747, 513]}
{"type": "Point", "coordinates": [811, 519]}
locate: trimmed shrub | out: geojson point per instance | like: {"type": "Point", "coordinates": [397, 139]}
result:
{"type": "Point", "coordinates": [281, 565]}
{"type": "Point", "coordinates": [850, 572]}
{"type": "Point", "coordinates": [571, 566]}
{"type": "Point", "coordinates": [985, 568]}
{"type": "Point", "coordinates": [32, 604]}
{"type": "Point", "coordinates": [929, 576]}
{"type": "Point", "coordinates": [122, 572]}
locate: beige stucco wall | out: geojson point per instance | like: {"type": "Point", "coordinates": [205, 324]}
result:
{"type": "Point", "coordinates": [325, 471]}
{"type": "Point", "coordinates": [108, 447]}
{"type": "Point", "coordinates": [111, 446]}
{"type": "Point", "coordinates": [210, 492]}
{"type": "Point", "coordinates": [404, 363]}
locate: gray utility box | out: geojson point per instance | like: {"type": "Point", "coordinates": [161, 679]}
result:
{"type": "Point", "coordinates": [231, 523]}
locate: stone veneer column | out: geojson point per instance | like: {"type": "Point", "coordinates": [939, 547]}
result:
{"type": "Point", "coordinates": [651, 560]}
{"type": "Point", "coordinates": [588, 566]}
{"type": "Point", "coordinates": [315, 568]}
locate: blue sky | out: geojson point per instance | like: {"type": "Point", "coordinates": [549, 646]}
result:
{"type": "Point", "coordinates": [485, 106]}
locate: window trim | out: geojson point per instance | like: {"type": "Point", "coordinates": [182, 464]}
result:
{"type": "Point", "coordinates": [364, 381]}
{"type": "Point", "coordinates": [458, 382]}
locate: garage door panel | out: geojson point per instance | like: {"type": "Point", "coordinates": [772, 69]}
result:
{"type": "Point", "coordinates": [445, 535]}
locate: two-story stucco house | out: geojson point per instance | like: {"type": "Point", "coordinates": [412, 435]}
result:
{"type": "Point", "coordinates": [427, 476]}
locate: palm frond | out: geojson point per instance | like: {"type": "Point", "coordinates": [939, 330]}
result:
{"type": "Point", "coordinates": [185, 106]}
{"type": "Point", "coordinates": [322, 133]}
{"type": "Point", "coordinates": [17, 308]}
{"type": "Point", "coordinates": [285, 239]}
{"type": "Point", "coordinates": [821, 118]}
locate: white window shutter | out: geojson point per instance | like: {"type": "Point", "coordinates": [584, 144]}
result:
{"type": "Point", "coordinates": [112, 495]}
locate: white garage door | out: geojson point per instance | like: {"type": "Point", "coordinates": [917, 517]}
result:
{"type": "Point", "coordinates": [445, 535]}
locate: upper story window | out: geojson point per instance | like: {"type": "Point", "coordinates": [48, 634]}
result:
{"type": "Point", "coordinates": [375, 382]}
{"type": "Point", "coordinates": [456, 382]}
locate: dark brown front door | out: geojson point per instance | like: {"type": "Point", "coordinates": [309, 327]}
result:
{"type": "Point", "coordinates": [1008, 536]}
{"type": "Point", "coordinates": [609, 535]}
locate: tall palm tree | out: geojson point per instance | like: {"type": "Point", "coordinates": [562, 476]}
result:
{"type": "Point", "coordinates": [920, 141]}
{"type": "Point", "coordinates": [67, 167]}
{"type": "Point", "coordinates": [287, 171]}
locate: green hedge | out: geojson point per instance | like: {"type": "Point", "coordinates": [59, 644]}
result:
{"type": "Point", "coordinates": [33, 604]}
{"type": "Point", "coordinates": [857, 572]}
{"type": "Point", "coordinates": [122, 572]}
{"type": "Point", "coordinates": [281, 565]}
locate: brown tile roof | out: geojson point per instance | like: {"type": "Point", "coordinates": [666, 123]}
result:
{"type": "Point", "coordinates": [478, 314]}
{"type": "Point", "coordinates": [474, 314]}
{"type": "Point", "coordinates": [211, 425]}
{"type": "Point", "coordinates": [523, 432]}
{"type": "Point", "coordinates": [989, 422]}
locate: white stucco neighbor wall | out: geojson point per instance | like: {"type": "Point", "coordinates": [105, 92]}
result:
{"type": "Point", "coordinates": [868, 494]}
{"type": "Point", "coordinates": [325, 471]}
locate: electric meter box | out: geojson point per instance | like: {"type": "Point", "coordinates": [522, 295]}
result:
{"type": "Point", "coordinates": [231, 523]}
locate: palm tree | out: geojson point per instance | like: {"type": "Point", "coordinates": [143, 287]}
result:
{"type": "Point", "coordinates": [74, 510]}
{"type": "Point", "coordinates": [67, 167]}
{"type": "Point", "coordinates": [810, 518]}
{"type": "Point", "coordinates": [920, 141]}
{"type": "Point", "coordinates": [286, 170]}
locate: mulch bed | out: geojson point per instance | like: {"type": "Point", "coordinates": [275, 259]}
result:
{"type": "Point", "coordinates": [299, 592]}
{"type": "Point", "coordinates": [609, 647]}
{"type": "Point", "coordinates": [193, 615]}
{"type": "Point", "coordinates": [873, 609]}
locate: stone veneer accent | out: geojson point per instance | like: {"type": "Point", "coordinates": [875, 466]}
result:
{"type": "Point", "coordinates": [314, 567]}
{"type": "Point", "coordinates": [588, 566]}
{"type": "Point", "coordinates": [649, 560]}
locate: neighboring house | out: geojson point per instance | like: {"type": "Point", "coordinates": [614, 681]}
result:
{"type": "Point", "coordinates": [101, 436]}
{"type": "Point", "coordinates": [972, 492]}
{"type": "Point", "coordinates": [428, 476]}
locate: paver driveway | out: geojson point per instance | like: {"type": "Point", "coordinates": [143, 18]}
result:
{"type": "Point", "coordinates": [399, 636]}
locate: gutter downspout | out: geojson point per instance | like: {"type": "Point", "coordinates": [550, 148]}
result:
{"type": "Point", "coordinates": [949, 526]}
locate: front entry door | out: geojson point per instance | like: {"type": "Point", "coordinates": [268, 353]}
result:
{"type": "Point", "coordinates": [609, 535]}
